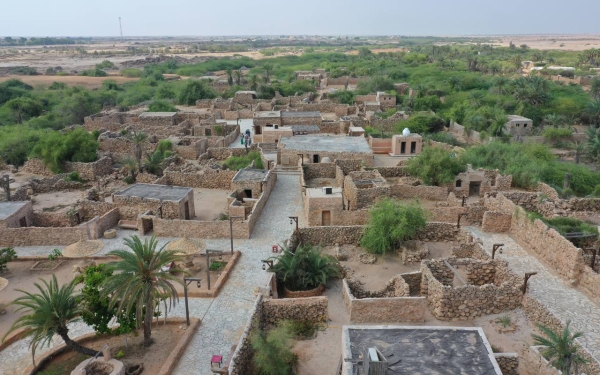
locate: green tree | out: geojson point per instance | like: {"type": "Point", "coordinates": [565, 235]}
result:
{"type": "Point", "coordinates": [560, 348]}
{"type": "Point", "coordinates": [592, 144]}
{"type": "Point", "coordinates": [139, 280]}
{"type": "Point", "coordinates": [305, 269]}
{"type": "Point", "coordinates": [592, 112]}
{"type": "Point", "coordinates": [96, 311]}
{"type": "Point", "coordinates": [164, 91]}
{"type": "Point", "coordinates": [391, 222]}
{"type": "Point", "coordinates": [229, 73]}
{"type": "Point", "coordinates": [25, 107]}
{"type": "Point", "coordinates": [138, 139]}
{"type": "Point", "coordinates": [268, 67]}
{"type": "Point", "coordinates": [193, 91]}
{"type": "Point", "coordinates": [48, 313]}
{"type": "Point", "coordinates": [364, 52]}
{"type": "Point", "coordinates": [436, 166]}
{"type": "Point", "coordinates": [55, 149]}
{"type": "Point", "coordinates": [595, 88]}
{"type": "Point", "coordinates": [238, 77]}
{"type": "Point", "coordinates": [161, 106]}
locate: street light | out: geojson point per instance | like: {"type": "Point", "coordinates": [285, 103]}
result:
{"type": "Point", "coordinates": [220, 252]}
{"type": "Point", "coordinates": [294, 219]}
{"type": "Point", "coordinates": [527, 276]}
{"type": "Point", "coordinates": [231, 229]}
{"type": "Point", "coordinates": [265, 263]}
{"type": "Point", "coordinates": [496, 247]}
{"type": "Point", "coordinates": [186, 282]}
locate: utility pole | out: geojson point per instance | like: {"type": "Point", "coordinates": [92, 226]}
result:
{"type": "Point", "coordinates": [120, 27]}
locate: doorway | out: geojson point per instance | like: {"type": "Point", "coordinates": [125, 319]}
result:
{"type": "Point", "coordinates": [474, 187]}
{"type": "Point", "coordinates": [248, 193]}
{"type": "Point", "coordinates": [187, 210]}
{"type": "Point", "coordinates": [207, 132]}
{"type": "Point", "coordinates": [23, 222]}
{"type": "Point", "coordinates": [315, 158]}
{"type": "Point", "coordinates": [403, 147]}
{"type": "Point", "coordinates": [326, 218]}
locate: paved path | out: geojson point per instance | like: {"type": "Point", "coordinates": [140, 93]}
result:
{"type": "Point", "coordinates": [245, 124]}
{"type": "Point", "coordinates": [563, 301]}
{"type": "Point", "coordinates": [223, 318]}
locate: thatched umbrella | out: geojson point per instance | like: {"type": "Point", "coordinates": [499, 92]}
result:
{"type": "Point", "coordinates": [83, 248]}
{"type": "Point", "coordinates": [3, 283]}
{"type": "Point", "coordinates": [187, 247]}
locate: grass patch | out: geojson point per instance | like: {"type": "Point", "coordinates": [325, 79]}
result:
{"type": "Point", "coordinates": [65, 366]}
{"type": "Point", "coordinates": [217, 265]}
{"type": "Point", "coordinates": [235, 163]}
{"type": "Point", "coordinates": [302, 329]}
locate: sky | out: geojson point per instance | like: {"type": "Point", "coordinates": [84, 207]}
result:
{"type": "Point", "coordinates": [305, 17]}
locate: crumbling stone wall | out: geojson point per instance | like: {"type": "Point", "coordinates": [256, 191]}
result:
{"type": "Point", "coordinates": [383, 309]}
{"type": "Point", "coordinates": [357, 198]}
{"type": "Point", "coordinates": [470, 249]}
{"type": "Point", "coordinates": [36, 166]}
{"type": "Point", "coordinates": [392, 171]}
{"type": "Point", "coordinates": [496, 222]}
{"type": "Point", "coordinates": [122, 147]}
{"type": "Point", "coordinates": [99, 225]}
{"type": "Point", "coordinates": [349, 165]}
{"type": "Point", "coordinates": [430, 193]}
{"type": "Point", "coordinates": [91, 171]}
{"type": "Point", "coordinates": [508, 362]}
{"type": "Point", "coordinates": [469, 301]}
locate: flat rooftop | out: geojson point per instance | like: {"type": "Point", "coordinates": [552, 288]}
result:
{"type": "Point", "coordinates": [7, 209]}
{"type": "Point", "coordinates": [326, 143]}
{"type": "Point", "coordinates": [300, 114]}
{"type": "Point", "coordinates": [250, 175]}
{"type": "Point", "coordinates": [423, 350]}
{"type": "Point", "coordinates": [267, 114]}
{"type": "Point", "coordinates": [157, 114]}
{"type": "Point", "coordinates": [159, 192]}
{"type": "Point", "coordinates": [517, 118]}
{"type": "Point", "coordinates": [356, 129]}
{"type": "Point", "coordinates": [305, 128]}
{"type": "Point", "coordinates": [320, 193]}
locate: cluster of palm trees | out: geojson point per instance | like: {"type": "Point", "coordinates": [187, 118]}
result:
{"type": "Point", "coordinates": [137, 285]}
{"type": "Point", "coordinates": [590, 56]}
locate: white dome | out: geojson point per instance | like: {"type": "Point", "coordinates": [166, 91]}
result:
{"type": "Point", "coordinates": [406, 132]}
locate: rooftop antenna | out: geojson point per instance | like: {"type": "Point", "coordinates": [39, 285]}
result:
{"type": "Point", "coordinates": [120, 27]}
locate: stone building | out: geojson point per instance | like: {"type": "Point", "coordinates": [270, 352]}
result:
{"type": "Point", "coordinates": [301, 118]}
{"type": "Point", "coordinates": [158, 118]}
{"type": "Point", "coordinates": [15, 214]}
{"type": "Point", "coordinates": [245, 97]}
{"type": "Point", "coordinates": [323, 206]}
{"type": "Point", "coordinates": [518, 125]}
{"type": "Point", "coordinates": [480, 181]}
{"type": "Point", "coordinates": [313, 148]}
{"type": "Point", "coordinates": [406, 144]}
{"type": "Point", "coordinates": [164, 201]}
{"type": "Point", "coordinates": [250, 182]}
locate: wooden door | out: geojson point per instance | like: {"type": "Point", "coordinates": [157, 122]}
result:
{"type": "Point", "coordinates": [326, 218]}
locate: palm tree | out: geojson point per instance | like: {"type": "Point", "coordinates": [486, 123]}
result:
{"type": "Point", "coordinates": [579, 148]}
{"type": "Point", "coordinates": [138, 139]}
{"type": "Point", "coordinates": [476, 98]}
{"type": "Point", "coordinates": [238, 77]}
{"type": "Point", "coordinates": [500, 85]}
{"type": "Point", "coordinates": [49, 313]}
{"type": "Point", "coordinates": [253, 82]}
{"type": "Point", "coordinates": [229, 76]}
{"type": "Point", "coordinates": [592, 145]}
{"type": "Point", "coordinates": [139, 280]}
{"type": "Point", "coordinates": [268, 69]}
{"type": "Point", "coordinates": [554, 120]}
{"type": "Point", "coordinates": [455, 83]}
{"type": "Point", "coordinates": [595, 88]}
{"type": "Point", "coordinates": [560, 348]}
{"type": "Point", "coordinates": [592, 112]}
{"type": "Point", "coordinates": [131, 165]}
{"type": "Point", "coordinates": [154, 162]}
{"type": "Point", "coordinates": [516, 61]}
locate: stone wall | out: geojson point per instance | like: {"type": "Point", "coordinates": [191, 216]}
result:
{"type": "Point", "coordinates": [383, 310]}
{"type": "Point", "coordinates": [469, 301]}
{"type": "Point", "coordinates": [392, 171]}
{"type": "Point", "coordinates": [312, 309]}
{"type": "Point", "coordinates": [199, 229]}
{"type": "Point", "coordinates": [50, 219]}
{"type": "Point", "coordinates": [36, 166]}
{"type": "Point", "coordinates": [430, 193]}
{"type": "Point", "coordinates": [446, 214]}
{"type": "Point", "coordinates": [320, 170]}
{"type": "Point", "coordinates": [496, 222]}
{"type": "Point", "coordinates": [357, 197]}
{"type": "Point", "coordinates": [532, 362]}
{"type": "Point", "coordinates": [508, 362]}
{"type": "Point", "coordinates": [207, 178]}
{"type": "Point", "coordinates": [90, 209]}
{"type": "Point", "coordinates": [35, 236]}
{"type": "Point", "coordinates": [439, 232]}
{"type": "Point", "coordinates": [99, 225]}
{"type": "Point", "coordinates": [290, 156]}
{"type": "Point", "coordinates": [548, 190]}
{"type": "Point", "coordinates": [122, 147]}
{"type": "Point", "coordinates": [241, 360]}
{"type": "Point", "coordinates": [327, 236]}
{"type": "Point", "coordinates": [349, 165]}
{"type": "Point", "coordinates": [91, 171]}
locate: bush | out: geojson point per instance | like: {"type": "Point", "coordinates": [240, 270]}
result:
{"type": "Point", "coordinates": [55, 149]}
{"type": "Point", "coordinates": [421, 124]}
{"type": "Point", "coordinates": [55, 254]}
{"type": "Point", "coordinates": [129, 180]}
{"type": "Point", "coordinates": [273, 351]}
{"type": "Point", "coordinates": [555, 134]}
{"type": "Point", "coordinates": [7, 254]}
{"type": "Point", "coordinates": [305, 269]}
{"type": "Point", "coordinates": [217, 265]}
{"type": "Point", "coordinates": [94, 73]}
{"type": "Point", "coordinates": [193, 91]}
{"type": "Point", "coordinates": [301, 329]}
{"type": "Point", "coordinates": [235, 163]}
{"type": "Point", "coordinates": [161, 106]}
{"type": "Point", "coordinates": [73, 176]}
{"type": "Point", "coordinates": [131, 73]}
{"type": "Point", "coordinates": [391, 222]}
{"type": "Point", "coordinates": [442, 137]}
{"type": "Point", "coordinates": [564, 225]}
{"type": "Point", "coordinates": [436, 166]}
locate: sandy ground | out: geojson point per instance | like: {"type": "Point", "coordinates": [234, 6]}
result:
{"type": "Point", "coordinates": [553, 42]}
{"type": "Point", "coordinates": [375, 276]}
{"type": "Point", "coordinates": [57, 200]}
{"type": "Point", "coordinates": [210, 203]}
{"type": "Point", "coordinates": [20, 276]}
{"type": "Point", "coordinates": [153, 358]}
{"type": "Point", "coordinates": [200, 263]}
{"type": "Point", "coordinates": [87, 82]}
{"type": "Point", "coordinates": [381, 160]}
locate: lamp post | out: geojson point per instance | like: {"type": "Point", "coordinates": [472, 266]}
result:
{"type": "Point", "coordinates": [186, 282]}
{"type": "Point", "coordinates": [464, 201]}
{"type": "Point", "coordinates": [266, 263]}
{"type": "Point", "coordinates": [458, 222]}
{"type": "Point", "coordinates": [220, 252]}
{"type": "Point", "coordinates": [527, 276]}
{"type": "Point", "coordinates": [231, 230]}
{"type": "Point", "coordinates": [496, 247]}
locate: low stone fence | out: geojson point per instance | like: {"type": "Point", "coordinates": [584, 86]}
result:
{"type": "Point", "coordinates": [485, 293]}
{"type": "Point", "coordinates": [327, 236]}
{"type": "Point", "coordinates": [509, 363]}
{"type": "Point", "coordinates": [35, 236]}
{"type": "Point", "coordinates": [496, 222]}
{"type": "Point", "coordinates": [312, 309]}
{"type": "Point", "coordinates": [392, 171]}
{"type": "Point", "coordinates": [319, 170]}
{"type": "Point", "coordinates": [99, 225]}
{"type": "Point", "coordinates": [241, 361]}
{"type": "Point", "coordinates": [207, 178]}
{"type": "Point", "coordinates": [383, 309]}
{"type": "Point", "coordinates": [439, 232]}
{"type": "Point", "coordinates": [199, 229]}
{"type": "Point", "coordinates": [430, 193]}
{"type": "Point", "coordinates": [446, 214]}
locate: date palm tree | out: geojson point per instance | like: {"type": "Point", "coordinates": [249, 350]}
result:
{"type": "Point", "coordinates": [138, 280]}
{"type": "Point", "coordinates": [592, 145]}
{"type": "Point", "coordinates": [238, 77]}
{"type": "Point", "coordinates": [560, 348]}
{"type": "Point", "coordinates": [49, 313]}
{"type": "Point", "coordinates": [229, 73]}
{"type": "Point", "coordinates": [595, 88]}
{"type": "Point", "coordinates": [592, 112]}
{"type": "Point", "coordinates": [268, 69]}
{"type": "Point", "coordinates": [138, 139]}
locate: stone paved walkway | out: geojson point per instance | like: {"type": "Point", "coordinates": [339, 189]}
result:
{"type": "Point", "coordinates": [563, 301]}
{"type": "Point", "coordinates": [223, 318]}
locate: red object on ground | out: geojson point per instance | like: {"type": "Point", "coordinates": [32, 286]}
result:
{"type": "Point", "coordinates": [275, 248]}
{"type": "Point", "coordinates": [218, 359]}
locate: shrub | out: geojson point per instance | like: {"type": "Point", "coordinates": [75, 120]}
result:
{"type": "Point", "coordinates": [305, 269]}
{"type": "Point", "coordinates": [55, 149]}
{"type": "Point", "coordinates": [564, 225]}
{"type": "Point", "coordinates": [217, 265]}
{"type": "Point", "coordinates": [73, 176]}
{"type": "Point", "coordinates": [94, 73]}
{"type": "Point", "coordinates": [131, 73]}
{"type": "Point", "coordinates": [560, 348]}
{"type": "Point", "coordinates": [235, 163]}
{"type": "Point", "coordinates": [301, 329]}
{"type": "Point", "coordinates": [55, 254]}
{"type": "Point", "coordinates": [436, 166]}
{"type": "Point", "coordinates": [555, 134]}
{"type": "Point", "coordinates": [129, 180]}
{"type": "Point", "coordinates": [421, 124]}
{"type": "Point", "coordinates": [273, 351]}
{"type": "Point", "coordinates": [161, 106]}
{"type": "Point", "coordinates": [7, 254]}
{"type": "Point", "coordinates": [193, 91]}
{"type": "Point", "coordinates": [391, 222]}
{"type": "Point", "coordinates": [442, 137]}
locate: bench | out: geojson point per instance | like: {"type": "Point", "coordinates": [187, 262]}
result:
{"type": "Point", "coordinates": [128, 224]}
